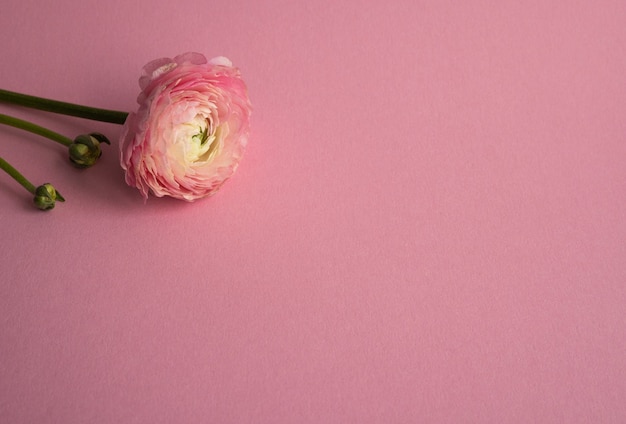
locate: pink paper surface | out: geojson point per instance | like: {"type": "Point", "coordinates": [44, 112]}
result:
{"type": "Point", "coordinates": [429, 224]}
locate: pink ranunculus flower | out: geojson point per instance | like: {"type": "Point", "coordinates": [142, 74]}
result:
{"type": "Point", "coordinates": [191, 128]}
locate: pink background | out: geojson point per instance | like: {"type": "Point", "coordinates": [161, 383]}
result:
{"type": "Point", "coordinates": [428, 226]}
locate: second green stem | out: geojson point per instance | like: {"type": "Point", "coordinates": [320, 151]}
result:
{"type": "Point", "coordinates": [35, 129]}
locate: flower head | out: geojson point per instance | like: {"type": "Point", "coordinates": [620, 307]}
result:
{"type": "Point", "coordinates": [191, 128]}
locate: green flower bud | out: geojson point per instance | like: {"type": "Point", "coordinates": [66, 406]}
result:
{"type": "Point", "coordinates": [86, 149]}
{"type": "Point", "coordinates": [46, 196]}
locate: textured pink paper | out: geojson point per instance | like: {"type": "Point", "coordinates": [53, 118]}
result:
{"type": "Point", "coordinates": [428, 226]}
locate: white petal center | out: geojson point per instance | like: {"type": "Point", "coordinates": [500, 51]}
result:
{"type": "Point", "coordinates": [198, 138]}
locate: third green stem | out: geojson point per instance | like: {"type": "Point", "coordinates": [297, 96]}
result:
{"type": "Point", "coordinates": [15, 174]}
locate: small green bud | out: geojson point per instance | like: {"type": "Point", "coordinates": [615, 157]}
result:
{"type": "Point", "coordinates": [86, 150]}
{"type": "Point", "coordinates": [46, 196]}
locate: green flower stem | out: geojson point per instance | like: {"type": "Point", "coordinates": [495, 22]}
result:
{"type": "Point", "coordinates": [6, 167]}
{"type": "Point", "coordinates": [35, 129]}
{"type": "Point", "coordinates": [63, 108]}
